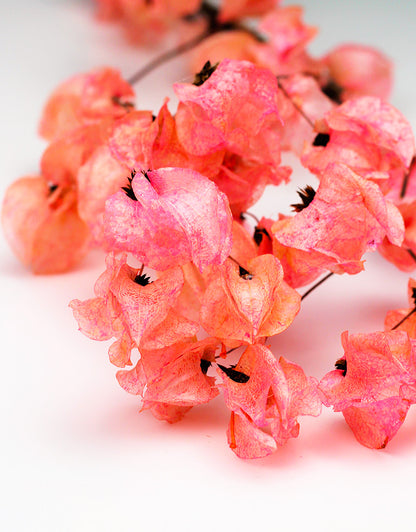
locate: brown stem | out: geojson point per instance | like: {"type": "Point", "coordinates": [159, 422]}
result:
{"type": "Point", "coordinates": [295, 105]}
{"type": "Point", "coordinates": [252, 216]}
{"type": "Point", "coordinates": [406, 178]}
{"type": "Point", "coordinates": [210, 14]}
{"type": "Point", "coordinates": [167, 56]}
{"type": "Point", "coordinates": [412, 254]}
{"type": "Point", "coordinates": [403, 319]}
{"type": "Point", "coordinates": [312, 288]}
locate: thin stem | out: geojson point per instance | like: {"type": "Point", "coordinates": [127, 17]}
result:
{"type": "Point", "coordinates": [312, 288]}
{"type": "Point", "coordinates": [403, 319]}
{"type": "Point", "coordinates": [210, 14]}
{"type": "Point", "coordinates": [412, 254]}
{"type": "Point", "coordinates": [167, 56]}
{"type": "Point", "coordinates": [252, 215]}
{"type": "Point", "coordinates": [406, 178]}
{"type": "Point", "coordinates": [295, 105]}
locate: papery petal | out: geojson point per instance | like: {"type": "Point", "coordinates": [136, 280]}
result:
{"type": "Point", "coordinates": [375, 425]}
{"type": "Point", "coordinates": [360, 70]}
{"type": "Point", "coordinates": [347, 217]}
{"type": "Point", "coordinates": [43, 228]}
{"type": "Point", "coordinates": [247, 440]}
{"type": "Point", "coordinates": [85, 98]}
{"type": "Point", "coordinates": [173, 205]}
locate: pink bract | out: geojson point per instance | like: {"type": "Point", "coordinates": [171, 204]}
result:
{"type": "Point", "coordinates": [369, 395]}
{"type": "Point", "coordinates": [347, 217]}
{"type": "Point", "coordinates": [177, 215]}
{"type": "Point", "coordinates": [128, 309]}
{"type": "Point", "coordinates": [265, 407]}
{"type": "Point", "coordinates": [42, 225]}
{"type": "Point", "coordinates": [360, 71]}
{"type": "Point", "coordinates": [229, 110]}
{"type": "Point", "coordinates": [85, 99]}
{"type": "Point", "coordinates": [251, 305]}
{"type": "Point", "coordinates": [370, 136]}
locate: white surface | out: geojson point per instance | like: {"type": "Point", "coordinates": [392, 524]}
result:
{"type": "Point", "coordinates": [75, 454]}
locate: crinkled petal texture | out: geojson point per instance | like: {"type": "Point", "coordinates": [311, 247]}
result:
{"type": "Point", "coordinates": [404, 256]}
{"type": "Point", "coordinates": [229, 110]}
{"type": "Point", "coordinates": [265, 407]}
{"type": "Point", "coordinates": [137, 315]}
{"type": "Point", "coordinates": [85, 99]}
{"type": "Point", "coordinates": [249, 306]}
{"type": "Point", "coordinates": [370, 136]}
{"type": "Point", "coordinates": [370, 395]}
{"type": "Point", "coordinates": [305, 93]}
{"type": "Point", "coordinates": [171, 378]}
{"type": "Point", "coordinates": [177, 215]}
{"type": "Point", "coordinates": [360, 71]}
{"type": "Point", "coordinates": [43, 227]}
{"type": "Point", "coordinates": [347, 217]}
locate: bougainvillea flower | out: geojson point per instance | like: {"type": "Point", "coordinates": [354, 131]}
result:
{"type": "Point", "coordinates": [173, 376]}
{"type": "Point", "coordinates": [287, 37]}
{"type": "Point", "coordinates": [42, 225]}
{"type": "Point", "coordinates": [129, 307]}
{"type": "Point", "coordinates": [368, 391]}
{"type": "Point", "coordinates": [304, 93]}
{"type": "Point", "coordinates": [370, 136]}
{"type": "Point", "coordinates": [248, 305]}
{"type": "Point", "coordinates": [265, 405]}
{"type": "Point", "coordinates": [85, 99]}
{"type": "Point", "coordinates": [359, 70]}
{"type": "Point", "coordinates": [347, 217]}
{"type": "Point", "coordinates": [394, 317]}
{"type": "Point", "coordinates": [234, 109]}
{"type": "Point", "coordinates": [404, 256]}
{"type": "Point", "coordinates": [177, 215]}
{"type": "Point", "coordinates": [286, 31]}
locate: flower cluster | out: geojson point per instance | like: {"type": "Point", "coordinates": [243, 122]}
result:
{"type": "Point", "coordinates": [191, 293]}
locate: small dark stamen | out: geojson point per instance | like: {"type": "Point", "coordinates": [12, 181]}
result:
{"type": "Point", "coordinates": [154, 117]}
{"type": "Point", "coordinates": [235, 375]}
{"type": "Point", "coordinates": [128, 189]}
{"type": "Point", "coordinates": [341, 364]}
{"type": "Point", "coordinates": [145, 174]}
{"type": "Point", "coordinates": [52, 187]}
{"type": "Point", "coordinates": [142, 279]}
{"type": "Point", "coordinates": [259, 232]}
{"type": "Point", "coordinates": [126, 105]}
{"type": "Point", "coordinates": [245, 274]}
{"type": "Point", "coordinates": [306, 195]}
{"type": "Point", "coordinates": [406, 178]}
{"type": "Point", "coordinates": [321, 139]}
{"type": "Point", "coordinates": [205, 364]}
{"type": "Point", "coordinates": [242, 272]}
{"type": "Point", "coordinates": [333, 91]}
{"type": "Point", "coordinates": [204, 74]}
{"type": "Point", "coordinates": [414, 296]}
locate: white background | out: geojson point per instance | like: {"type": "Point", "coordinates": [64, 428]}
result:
{"type": "Point", "coordinates": [75, 454]}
